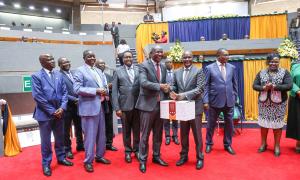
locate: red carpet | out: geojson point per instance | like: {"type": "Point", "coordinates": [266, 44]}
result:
{"type": "Point", "coordinates": [247, 164]}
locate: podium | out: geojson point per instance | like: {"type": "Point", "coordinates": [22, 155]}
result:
{"type": "Point", "coordinates": [177, 110]}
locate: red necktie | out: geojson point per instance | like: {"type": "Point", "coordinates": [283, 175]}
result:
{"type": "Point", "coordinates": [158, 71]}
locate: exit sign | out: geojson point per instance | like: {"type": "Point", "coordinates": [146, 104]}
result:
{"type": "Point", "coordinates": [26, 80]}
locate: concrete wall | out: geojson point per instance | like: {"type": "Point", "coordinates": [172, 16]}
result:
{"type": "Point", "coordinates": [35, 21]}
{"type": "Point", "coordinates": [279, 6]}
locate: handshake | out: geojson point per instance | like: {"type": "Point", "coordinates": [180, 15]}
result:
{"type": "Point", "coordinates": [101, 91]}
{"type": "Point", "coordinates": [165, 87]}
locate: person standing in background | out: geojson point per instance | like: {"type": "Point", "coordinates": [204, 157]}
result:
{"type": "Point", "coordinates": [115, 34]}
{"type": "Point", "coordinates": [122, 47]}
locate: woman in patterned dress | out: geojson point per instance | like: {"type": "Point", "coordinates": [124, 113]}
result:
{"type": "Point", "coordinates": [272, 84]}
{"type": "Point", "coordinates": [293, 122]}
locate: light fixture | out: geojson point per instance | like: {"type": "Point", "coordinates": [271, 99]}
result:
{"type": "Point", "coordinates": [27, 30]}
{"type": "Point", "coordinates": [2, 3]}
{"type": "Point", "coordinates": [17, 5]}
{"type": "Point", "coordinates": [99, 33]}
{"type": "Point", "coordinates": [82, 33]}
{"type": "Point", "coordinates": [65, 32]}
{"type": "Point", "coordinates": [58, 11]}
{"type": "Point", "coordinates": [31, 7]}
{"type": "Point", "coordinates": [47, 31]}
{"type": "Point", "coordinates": [45, 9]}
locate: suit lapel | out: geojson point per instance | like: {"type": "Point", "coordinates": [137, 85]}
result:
{"type": "Point", "coordinates": [92, 76]}
{"type": "Point", "coordinates": [181, 76]}
{"type": "Point", "coordinates": [218, 70]}
{"type": "Point", "coordinates": [189, 76]}
{"type": "Point", "coordinates": [66, 77]}
{"type": "Point", "coordinates": [45, 75]}
{"type": "Point", "coordinates": [126, 74]}
{"type": "Point", "coordinates": [153, 69]}
{"type": "Point", "coordinates": [136, 72]}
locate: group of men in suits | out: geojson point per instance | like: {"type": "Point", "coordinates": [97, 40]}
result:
{"type": "Point", "coordinates": [136, 92]}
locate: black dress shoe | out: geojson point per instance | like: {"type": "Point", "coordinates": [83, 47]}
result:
{"type": "Point", "coordinates": [159, 161]}
{"type": "Point", "coordinates": [102, 160]}
{"type": "Point", "coordinates": [276, 152]}
{"type": "Point", "coordinates": [199, 164]}
{"type": "Point", "coordinates": [70, 155]}
{"type": "Point", "coordinates": [208, 148]}
{"type": "Point", "coordinates": [136, 154]}
{"type": "Point", "coordinates": [168, 140]}
{"type": "Point", "coordinates": [128, 158]}
{"type": "Point", "coordinates": [111, 148]}
{"type": "Point", "coordinates": [181, 161]}
{"type": "Point", "coordinates": [47, 171]}
{"type": "Point", "coordinates": [143, 167]}
{"type": "Point", "coordinates": [88, 168]}
{"type": "Point", "coordinates": [262, 148]}
{"type": "Point", "coordinates": [229, 149]}
{"type": "Point", "coordinates": [79, 148]}
{"type": "Point", "coordinates": [65, 162]}
{"type": "Point", "coordinates": [176, 141]}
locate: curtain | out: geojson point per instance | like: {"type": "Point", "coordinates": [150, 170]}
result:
{"type": "Point", "coordinates": [272, 26]}
{"type": "Point", "coordinates": [251, 68]}
{"type": "Point", "coordinates": [144, 34]}
{"type": "Point", "coordinates": [12, 145]}
{"type": "Point", "coordinates": [211, 29]}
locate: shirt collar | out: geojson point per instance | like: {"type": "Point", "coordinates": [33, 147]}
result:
{"type": "Point", "coordinates": [154, 63]}
{"type": "Point", "coordinates": [219, 64]}
{"type": "Point", "coordinates": [129, 68]}
{"type": "Point", "coordinates": [47, 71]}
{"type": "Point", "coordinates": [90, 67]}
{"type": "Point", "coordinates": [189, 68]}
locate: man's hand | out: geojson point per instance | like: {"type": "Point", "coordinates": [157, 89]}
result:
{"type": "Point", "coordinates": [180, 97]}
{"type": "Point", "coordinates": [58, 113]}
{"type": "Point", "coordinates": [173, 95]}
{"type": "Point", "coordinates": [165, 87]}
{"type": "Point", "coordinates": [205, 106]}
{"type": "Point", "coordinates": [101, 91]}
{"type": "Point", "coordinates": [119, 113]}
{"type": "Point", "coordinates": [109, 85]}
{"type": "Point", "coordinates": [298, 94]}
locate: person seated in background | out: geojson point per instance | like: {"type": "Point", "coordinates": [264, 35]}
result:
{"type": "Point", "coordinates": [106, 27]}
{"type": "Point", "coordinates": [224, 37]}
{"type": "Point", "coordinates": [246, 36]}
{"type": "Point", "coordinates": [201, 57]}
{"type": "Point", "coordinates": [295, 27]}
{"type": "Point", "coordinates": [148, 17]}
{"type": "Point", "coordinates": [202, 38]}
{"type": "Point", "coordinates": [163, 39]}
{"type": "Point", "coordinates": [122, 47]}
{"type": "Point", "coordinates": [13, 24]}
{"type": "Point", "coordinates": [119, 23]}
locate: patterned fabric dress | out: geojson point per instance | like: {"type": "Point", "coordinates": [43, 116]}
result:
{"type": "Point", "coordinates": [271, 115]}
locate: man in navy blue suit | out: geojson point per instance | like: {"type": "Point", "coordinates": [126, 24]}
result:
{"type": "Point", "coordinates": [51, 97]}
{"type": "Point", "coordinates": [220, 95]}
{"type": "Point", "coordinates": [71, 114]}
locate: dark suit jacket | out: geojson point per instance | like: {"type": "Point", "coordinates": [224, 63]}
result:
{"type": "Point", "coordinates": [48, 96]}
{"type": "Point", "coordinates": [219, 92]}
{"type": "Point", "coordinates": [294, 23]}
{"type": "Point", "coordinates": [124, 92]}
{"type": "Point", "coordinates": [150, 86]}
{"type": "Point", "coordinates": [193, 88]}
{"type": "Point", "coordinates": [72, 97]}
{"type": "Point", "coordinates": [114, 32]}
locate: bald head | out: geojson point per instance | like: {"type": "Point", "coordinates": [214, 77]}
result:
{"type": "Point", "coordinates": [47, 61]}
{"type": "Point", "coordinates": [169, 64]}
{"type": "Point", "coordinates": [64, 64]}
{"type": "Point", "coordinates": [100, 64]}
{"type": "Point", "coordinates": [157, 53]}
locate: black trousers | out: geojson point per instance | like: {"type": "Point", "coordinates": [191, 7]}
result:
{"type": "Point", "coordinates": [131, 123]}
{"type": "Point", "coordinates": [109, 130]}
{"type": "Point", "coordinates": [71, 115]}
{"type": "Point", "coordinates": [196, 126]}
{"type": "Point", "coordinates": [150, 120]}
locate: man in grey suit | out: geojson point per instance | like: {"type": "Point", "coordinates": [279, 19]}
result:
{"type": "Point", "coordinates": [167, 123]}
{"type": "Point", "coordinates": [107, 107]}
{"type": "Point", "coordinates": [152, 89]}
{"type": "Point", "coordinates": [91, 89]}
{"type": "Point", "coordinates": [188, 85]}
{"type": "Point", "coordinates": [125, 91]}
{"type": "Point", "coordinates": [71, 114]}
{"type": "Point", "coordinates": [220, 95]}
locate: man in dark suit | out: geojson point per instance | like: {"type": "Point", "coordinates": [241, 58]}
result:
{"type": "Point", "coordinates": [90, 86]}
{"type": "Point", "coordinates": [295, 27]}
{"type": "Point", "coordinates": [71, 114]}
{"type": "Point", "coordinates": [50, 95]}
{"type": "Point", "coordinates": [167, 123]}
{"type": "Point", "coordinates": [125, 92]}
{"type": "Point", "coordinates": [153, 87]}
{"type": "Point", "coordinates": [115, 33]}
{"type": "Point", "coordinates": [220, 95]}
{"type": "Point", "coordinates": [148, 17]}
{"type": "Point", "coordinates": [107, 107]}
{"type": "Point", "coordinates": [188, 85]}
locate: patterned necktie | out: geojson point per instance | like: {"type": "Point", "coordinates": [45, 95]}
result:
{"type": "Point", "coordinates": [186, 70]}
{"type": "Point", "coordinates": [52, 77]}
{"type": "Point", "coordinates": [158, 71]}
{"type": "Point", "coordinates": [223, 71]}
{"type": "Point", "coordinates": [169, 77]}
